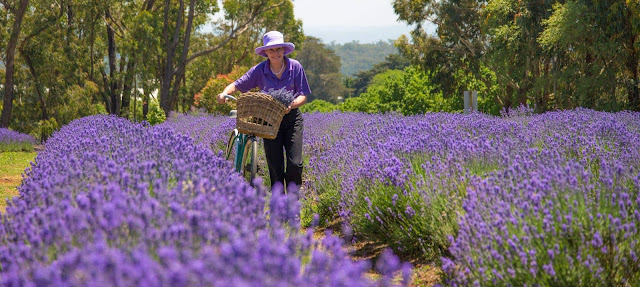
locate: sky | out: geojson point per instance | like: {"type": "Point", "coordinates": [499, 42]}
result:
{"type": "Point", "coordinates": [342, 21]}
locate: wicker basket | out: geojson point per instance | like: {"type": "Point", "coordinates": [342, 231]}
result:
{"type": "Point", "coordinates": [259, 114]}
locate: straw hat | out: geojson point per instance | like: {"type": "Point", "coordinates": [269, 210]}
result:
{"type": "Point", "coordinates": [274, 39]}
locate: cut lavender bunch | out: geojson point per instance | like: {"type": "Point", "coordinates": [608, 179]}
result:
{"type": "Point", "coordinates": [282, 95]}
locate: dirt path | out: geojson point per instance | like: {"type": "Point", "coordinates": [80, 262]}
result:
{"type": "Point", "coordinates": [424, 274]}
{"type": "Point", "coordinates": [8, 189]}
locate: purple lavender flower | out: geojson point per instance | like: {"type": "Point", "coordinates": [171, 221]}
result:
{"type": "Point", "coordinates": [283, 95]}
{"type": "Point", "coordinates": [110, 202]}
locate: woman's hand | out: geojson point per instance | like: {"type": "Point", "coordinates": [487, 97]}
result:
{"type": "Point", "coordinates": [297, 102]}
{"type": "Point", "coordinates": [222, 98]}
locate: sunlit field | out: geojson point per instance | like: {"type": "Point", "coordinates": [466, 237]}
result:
{"type": "Point", "coordinates": [518, 199]}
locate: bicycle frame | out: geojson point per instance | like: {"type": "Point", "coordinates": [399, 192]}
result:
{"type": "Point", "coordinates": [241, 142]}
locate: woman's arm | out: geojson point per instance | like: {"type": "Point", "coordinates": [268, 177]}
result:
{"type": "Point", "coordinates": [230, 89]}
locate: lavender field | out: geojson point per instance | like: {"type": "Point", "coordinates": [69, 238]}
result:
{"type": "Point", "coordinates": [113, 203]}
{"type": "Point", "coordinates": [547, 199]}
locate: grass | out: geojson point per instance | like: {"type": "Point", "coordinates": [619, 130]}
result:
{"type": "Point", "coordinates": [12, 165]}
{"type": "Point", "coordinates": [16, 147]}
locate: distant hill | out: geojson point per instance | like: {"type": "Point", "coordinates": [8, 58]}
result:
{"type": "Point", "coordinates": [356, 57]}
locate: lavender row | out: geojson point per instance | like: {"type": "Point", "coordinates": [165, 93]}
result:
{"type": "Point", "coordinates": [563, 212]}
{"type": "Point", "coordinates": [15, 141]}
{"type": "Point", "coordinates": [210, 131]}
{"type": "Point", "coordinates": [113, 203]}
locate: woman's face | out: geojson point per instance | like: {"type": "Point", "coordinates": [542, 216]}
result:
{"type": "Point", "coordinates": [275, 54]}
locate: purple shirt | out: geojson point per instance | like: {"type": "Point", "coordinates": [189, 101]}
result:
{"type": "Point", "coordinates": [260, 76]}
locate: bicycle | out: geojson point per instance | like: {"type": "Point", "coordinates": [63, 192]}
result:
{"type": "Point", "coordinates": [257, 115]}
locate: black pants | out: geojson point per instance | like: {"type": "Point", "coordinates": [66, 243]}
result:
{"type": "Point", "coordinates": [290, 138]}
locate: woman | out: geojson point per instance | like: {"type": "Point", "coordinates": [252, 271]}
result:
{"type": "Point", "coordinates": [275, 73]}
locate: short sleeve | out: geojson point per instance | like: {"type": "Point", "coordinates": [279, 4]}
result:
{"type": "Point", "coordinates": [248, 81]}
{"type": "Point", "coordinates": [300, 81]}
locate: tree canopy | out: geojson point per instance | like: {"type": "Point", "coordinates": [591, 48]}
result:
{"type": "Point", "coordinates": [121, 55]}
{"type": "Point", "coordinates": [550, 54]}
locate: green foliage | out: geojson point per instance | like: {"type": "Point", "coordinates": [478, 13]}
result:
{"type": "Point", "coordinates": [405, 219]}
{"type": "Point", "coordinates": [408, 92]}
{"type": "Point", "coordinates": [46, 128]}
{"type": "Point", "coordinates": [484, 82]}
{"type": "Point", "coordinates": [359, 104]}
{"type": "Point", "coordinates": [156, 114]}
{"type": "Point", "coordinates": [323, 204]}
{"type": "Point", "coordinates": [78, 103]}
{"type": "Point", "coordinates": [322, 68]}
{"type": "Point", "coordinates": [413, 91]}
{"type": "Point", "coordinates": [318, 106]}
{"type": "Point", "coordinates": [16, 147]}
{"type": "Point", "coordinates": [361, 80]}
{"type": "Point", "coordinates": [550, 54]}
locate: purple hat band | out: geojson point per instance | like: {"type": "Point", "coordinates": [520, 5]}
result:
{"type": "Point", "coordinates": [274, 39]}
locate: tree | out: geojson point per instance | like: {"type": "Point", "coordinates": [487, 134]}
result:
{"type": "Point", "coordinates": [460, 41]}
{"type": "Point", "coordinates": [552, 54]}
{"type": "Point", "coordinates": [241, 14]}
{"type": "Point", "coordinates": [361, 80]}
{"type": "Point", "coordinates": [322, 67]}
{"type": "Point", "coordinates": [17, 10]}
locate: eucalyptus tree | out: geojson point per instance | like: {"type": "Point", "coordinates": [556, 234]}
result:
{"type": "Point", "coordinates": [582, 57]}
{"type": "Point", "coordinates": [596, 53]}
{"type": "Point", "coordinates": [460, 42]}
{"type": "Point", "coordinates": [240, 16]}
{"type": "Point", "coordinates": [554, 54]}
{"type": "Point", "coordinates": [515, 54]}
{"type": "Point", "coordinates": [15, 10]}
{"type": "Point", "coordinates": [322, 67]}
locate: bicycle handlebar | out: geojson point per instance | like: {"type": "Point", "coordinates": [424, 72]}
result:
{"type": "Point", "coordinates": [230, 97]}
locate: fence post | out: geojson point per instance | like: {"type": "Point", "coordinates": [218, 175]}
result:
{"type": "Point", "coordinates": [467, 101]}
{"type": "Point", "coordinates": [474, 101]}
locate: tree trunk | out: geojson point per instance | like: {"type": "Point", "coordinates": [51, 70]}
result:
{"type": "Point", "coordinates": [182, 64]}
{"type": "Point", "coordinates": [10, 64]}
{"type": "Point", "coordinates": [145, 105]}
{"type": "Point", "coordinates": [113, 83]}
{"type": "Point", "coordinates": [170, 49]}
{"type": "Point", "coordinates": [120, 85]}
{"type": "Point", "coordinates": [39, 89]}
{"type": "Point", "coordinates": [128, 85]}
{"type": "Point", "coordinates": [633, 91]}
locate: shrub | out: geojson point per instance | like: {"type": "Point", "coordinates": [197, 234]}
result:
{"type": "Point", "coordinates": [207, 98]}
{"type": "Point", "coordinates": [318, 106]}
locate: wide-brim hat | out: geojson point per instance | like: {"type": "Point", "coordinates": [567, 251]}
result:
{"type": "Point", "coordinates": [274, 39]}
